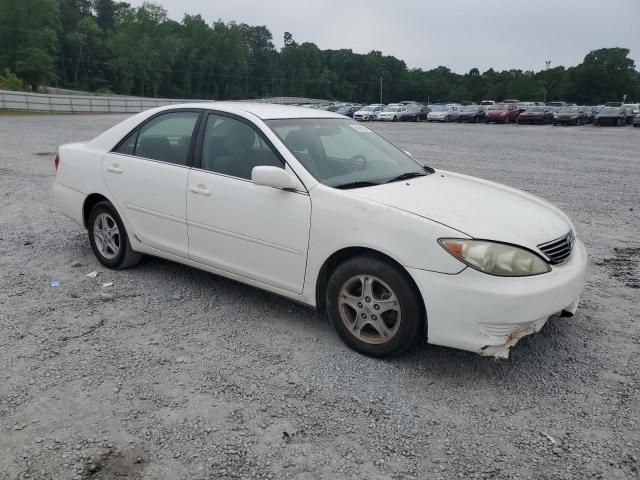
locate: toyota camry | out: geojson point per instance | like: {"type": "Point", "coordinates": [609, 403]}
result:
{"type": "Point", "coordinates": [318, 208]}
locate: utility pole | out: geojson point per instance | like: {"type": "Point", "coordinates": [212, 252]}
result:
{"type": "Point", "coordinates": [246, 81]}
{"type": "Point", "coordinates": [380, 88]}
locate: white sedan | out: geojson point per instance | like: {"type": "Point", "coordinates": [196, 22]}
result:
{"type": "Point", "coordinates": [392, 113]}
{"type": "Point", "coordinates": [315, 207]}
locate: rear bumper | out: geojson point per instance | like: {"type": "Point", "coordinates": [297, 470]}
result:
{"type": "Point", "coordinates": [488, 314]}
{"type": "Point", "coordinates": [69, 201]}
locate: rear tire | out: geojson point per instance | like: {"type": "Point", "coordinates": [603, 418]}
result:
{"type": "Point", "coordinates": [374, 307]}
{"type": "Point", "coordinates": [109, 239]}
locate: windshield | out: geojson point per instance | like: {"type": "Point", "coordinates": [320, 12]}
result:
{"type": "Point", "coordinates": [470, 109]}
{"type": "Point", "coordinates": [500, 106]}
{"type": "Point", "coordinates": [486, 102]}
{"type": "Point", "coordinates": [536, 109]}
{"type": "Point", "coordinates": [438, 108]}
{"type": "Point", "coordinates": [569, 110]}
{"type": "Point", "coordinates": [610, 110]}
{"type": "Point", "coordinates": [339, 153]}
{"type": "Point", "coordinates": [367, 109]}
{"type": "Point", "coordinates": [391, 109]}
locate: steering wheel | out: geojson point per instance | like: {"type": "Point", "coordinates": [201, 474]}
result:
{"type": "Point", "coordinates": [360, 161]}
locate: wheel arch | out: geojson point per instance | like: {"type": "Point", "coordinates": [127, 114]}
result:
{"type": "Point", "coordinates": [344, 254]}
{"type": "Point", "coordinates": [90, 202]}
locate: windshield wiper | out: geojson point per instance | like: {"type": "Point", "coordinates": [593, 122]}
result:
{"type": "Point", "coordinates": [346, 186]}
{"type": "Point", "coordinates": [406, 176]}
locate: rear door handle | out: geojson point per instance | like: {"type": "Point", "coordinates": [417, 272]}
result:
{"type": "Point", "coordinates": [114, 169]}
{"type": "Point", "coordinates": [200, 190]}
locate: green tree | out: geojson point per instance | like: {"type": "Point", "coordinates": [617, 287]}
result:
{"type": "Point", "coordinates": [9, 81]}
{"type": "Point", "coordinates": [28, 39]}
{"type": "Point", "coordinates": [605, 74]}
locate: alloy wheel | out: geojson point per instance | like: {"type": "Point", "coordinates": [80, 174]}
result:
{"type": "Point", "coordinates": [107, 236]}
{"type": "Point", "coordinates": [369, 309]}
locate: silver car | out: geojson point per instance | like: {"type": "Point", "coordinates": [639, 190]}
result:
{"type": "Point", "coordinates": [368, 113]}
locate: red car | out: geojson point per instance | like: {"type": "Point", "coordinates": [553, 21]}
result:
{"type": "Point", "coordinates": [535, 115]}
{"type": "Point", "coordinates": [502, 113]}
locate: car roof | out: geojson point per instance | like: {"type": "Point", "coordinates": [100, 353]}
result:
{"type": "Point", "coordinates": [264, 111]}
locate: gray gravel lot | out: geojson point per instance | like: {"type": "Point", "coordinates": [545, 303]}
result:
{"type": "Point", "coordinates": [176, 373]}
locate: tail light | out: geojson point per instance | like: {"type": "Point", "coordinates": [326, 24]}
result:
{"type": "Point", "coordinates": [56, 161]}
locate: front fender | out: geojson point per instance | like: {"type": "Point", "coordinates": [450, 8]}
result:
{"type": "Point", "coordinates": [340, 221]}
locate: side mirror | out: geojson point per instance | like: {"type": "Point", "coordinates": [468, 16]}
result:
{"type": "Point", "coordinates": [274, 177]}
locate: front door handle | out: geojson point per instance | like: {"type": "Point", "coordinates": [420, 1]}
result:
{"type": "Point", "coordinates": [200, 190]}
{"type": "Point", "coordinates": [114, 169]}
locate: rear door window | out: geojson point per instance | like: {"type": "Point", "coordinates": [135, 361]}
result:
{"type": "Point", "coordinates": [166, 138]}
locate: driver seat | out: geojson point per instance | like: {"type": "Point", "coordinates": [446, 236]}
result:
{"type": "Point", "coordinates": [296, 142]}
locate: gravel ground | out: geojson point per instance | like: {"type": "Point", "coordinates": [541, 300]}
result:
{"type": "Point", "coordinates": [176, 373]}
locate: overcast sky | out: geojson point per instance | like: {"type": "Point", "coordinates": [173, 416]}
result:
{"type": "Point", "coordinates": [460, 34]}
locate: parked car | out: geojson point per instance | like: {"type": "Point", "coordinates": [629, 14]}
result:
{"type": "Point", "coordinates": [441, 113]}
{"type": "Point", "coordinates": [502, 113]}
{"type": "Point", "coordinates": [368, 113]}
{"type": "Point", "coordinates": [522, 106]}
{"type": "Point", "coordinates": [589, 113]}
{"type": "Point", "coordinates": [511, 100]}
{"type": "Point", "coordinates": [487, 103]}
{"type": "Point", "coordinates": [348, 110]}
{"type": "Point", "coordinates": [570, 116]}
{"type": "Point", "coordinates": [612, 116]}
{"type": "Point", "coordinates": [384, 253]}
{"type": "Point", "coordinates": [392, 113]}
{"type": "Point", "coordinates": [471, 113]}
{"type": "Point", "coordinates": [535, 115]}
{"type": "Point", "coordinates": [631, 110]}
{"type": "Point", "coordinates": [416, 112]}
{"type": "Point", "coordinates": [453, 112]}
{"type": "Point", "coordinates": [556, 105]}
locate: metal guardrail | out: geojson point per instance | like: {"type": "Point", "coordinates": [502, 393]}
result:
{"type": "Point", "coordinates": [38, 102]}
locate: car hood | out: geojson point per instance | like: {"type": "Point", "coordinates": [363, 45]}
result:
{"type": "Point", "coordinates": [497, 112]}
{"type": "Point", "coordinates": [478, 208]}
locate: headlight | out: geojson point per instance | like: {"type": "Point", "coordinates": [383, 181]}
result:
{"type": "Point", "coordinates": [495, 258]}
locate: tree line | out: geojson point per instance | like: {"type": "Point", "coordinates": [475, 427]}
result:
{"type": "Point", "coordinates": [108, 46]}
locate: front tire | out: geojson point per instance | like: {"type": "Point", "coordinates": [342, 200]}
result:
{"type": "Point", "coordinates": [374, 307]}
{"type": "Point", "coordinates": [109, 239]}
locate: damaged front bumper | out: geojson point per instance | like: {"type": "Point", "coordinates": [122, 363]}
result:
{"type": "Point", "coordinates": [488, 314]}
